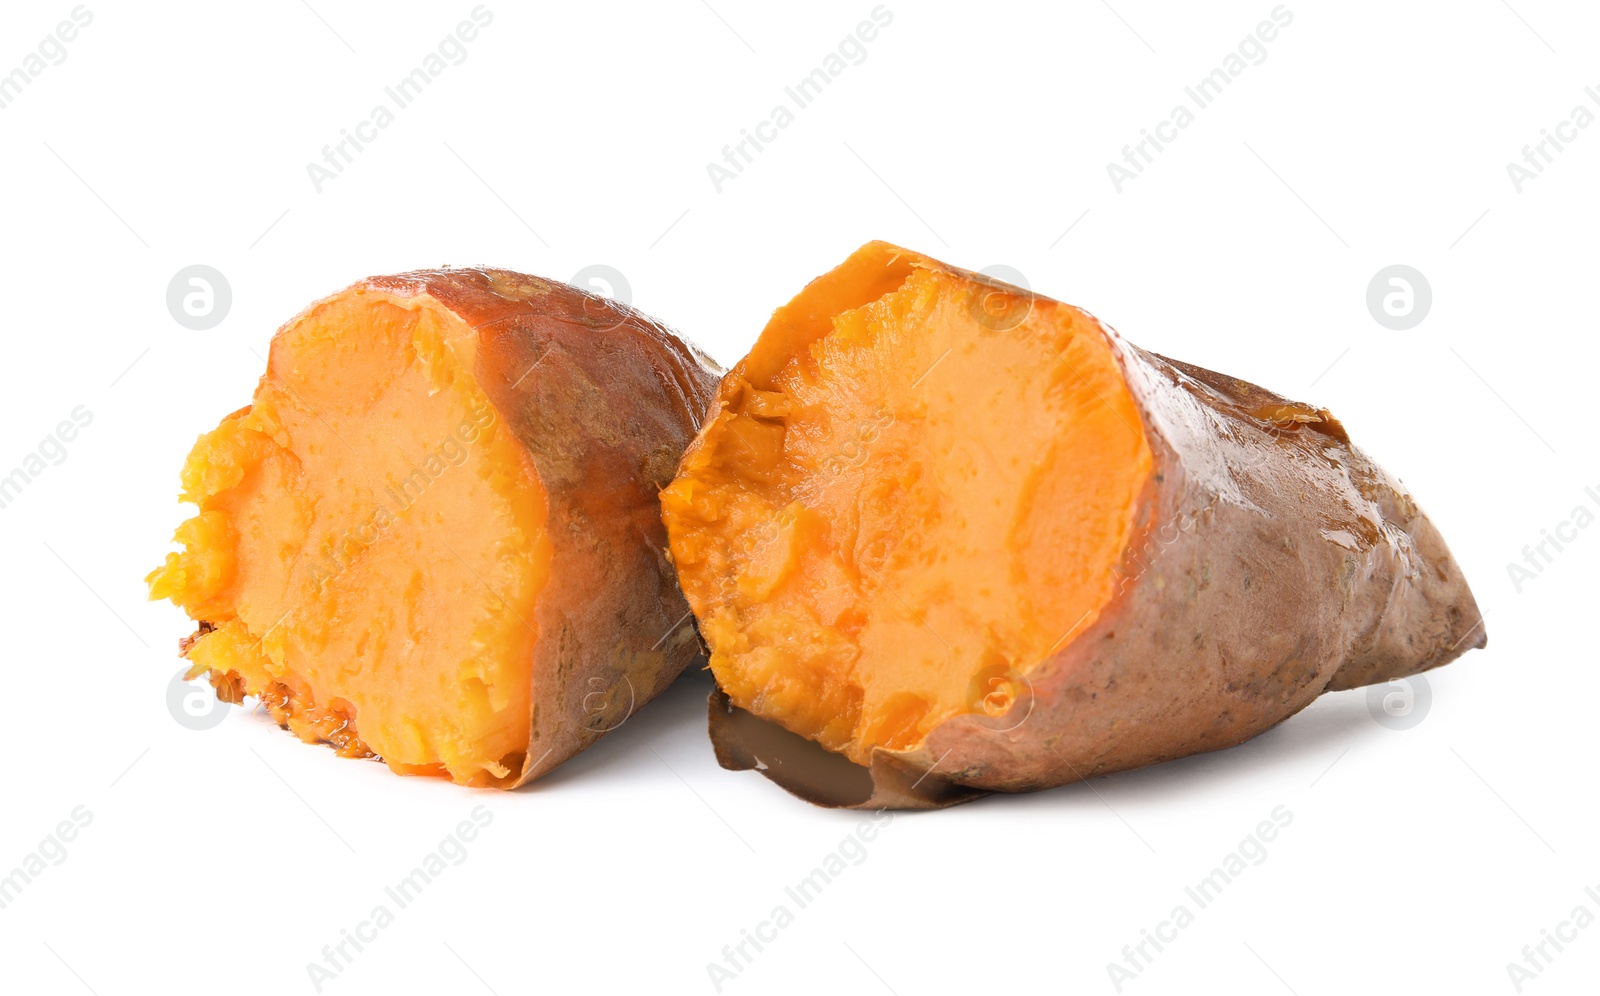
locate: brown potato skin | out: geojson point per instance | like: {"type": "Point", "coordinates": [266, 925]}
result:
{"type": "Point", "coordinates": [604, 400]}
{"type": "Point", "coordinates": [1272, 561]}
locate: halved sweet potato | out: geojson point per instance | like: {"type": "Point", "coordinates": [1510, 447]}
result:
{"type": "Point", "coordinates": [971, 540]}
{"type": "Point", "coordinates": [434, 535]}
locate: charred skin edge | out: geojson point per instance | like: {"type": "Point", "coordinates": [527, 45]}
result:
{"type": "Point", "coordinates": [616, 399]}
{"type": "Point", "coordinates": [807, 770]}
{"type": "Point", "coordinates": [1255, 483]}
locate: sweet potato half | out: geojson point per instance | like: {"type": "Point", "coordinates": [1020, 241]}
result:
{"type": "Point", "coordinates": [966, 539]}
{"type": "Point", "coordinates": [434, 535]}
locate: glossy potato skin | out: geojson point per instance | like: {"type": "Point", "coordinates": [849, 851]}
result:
{"type": "Point", "coordinates": [1271, 561]}
{"type": "Point", "coordinates": [603, 400]}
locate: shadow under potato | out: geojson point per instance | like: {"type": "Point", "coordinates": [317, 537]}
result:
{"type": "Point", "coordinates": [807, 770]}
{"type": "Point", "coordinates": [678, 714]}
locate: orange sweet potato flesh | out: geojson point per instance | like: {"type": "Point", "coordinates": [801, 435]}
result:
{"type": "Point", "coordinates": [964, 538]}
{"type": "Point", "coordinates": [433, 536]}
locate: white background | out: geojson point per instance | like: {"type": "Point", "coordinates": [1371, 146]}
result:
{"type": "Point", "coordinates": [1418, 860]}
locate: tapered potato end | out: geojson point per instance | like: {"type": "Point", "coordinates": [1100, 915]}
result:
{"type": "Point", "coordinates": [431, 537]}
{"type": "Point", "coordinates": [1432, 618]}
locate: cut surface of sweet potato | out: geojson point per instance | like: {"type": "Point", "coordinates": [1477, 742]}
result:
{"type": "Point", "coordinates": [877, 539]}
{"type": "Point", "coordinates": [390, 535]}
{"type": "Point", "coordinates": [968, 539]}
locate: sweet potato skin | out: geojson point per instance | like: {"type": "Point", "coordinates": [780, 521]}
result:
{"type": "Point", "coordinates": [1272, 561]}
{"type": "Point", "coordinates": [603, 399]}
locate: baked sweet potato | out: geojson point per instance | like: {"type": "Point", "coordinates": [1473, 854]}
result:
{"type": "Point", "coordinates": [434, 536]}
{"type": "Point", "coordinates": [967, 539]}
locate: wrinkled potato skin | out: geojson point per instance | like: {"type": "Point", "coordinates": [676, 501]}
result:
{"type": "Point", "coordinates": [604, 400]}
{"type": "Point", "coordinates": [1272, 561]}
